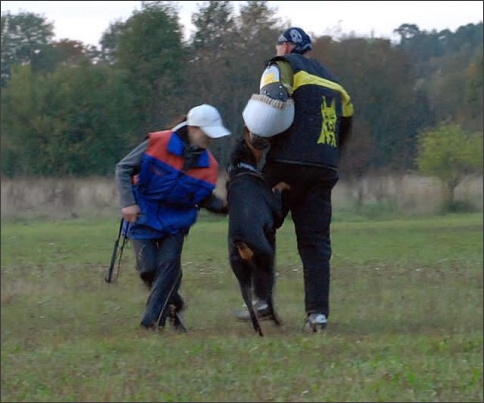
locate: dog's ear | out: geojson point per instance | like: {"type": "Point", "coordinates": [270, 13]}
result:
{"type": "Point", "coordinates": [242, 153]}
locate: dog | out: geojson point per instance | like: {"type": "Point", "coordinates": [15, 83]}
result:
{"type": "Point", "coordinates": [254, 213]}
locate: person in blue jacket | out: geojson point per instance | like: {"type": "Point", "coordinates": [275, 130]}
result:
{"type": "Point", "coordinates": [162, 184]}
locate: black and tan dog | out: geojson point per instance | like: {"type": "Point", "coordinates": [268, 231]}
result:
{"type": "Point", "coordinates": [254, 212]}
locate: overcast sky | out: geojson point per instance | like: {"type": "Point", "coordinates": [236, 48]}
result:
{"type": "Point", "coordinates": [86, 21]}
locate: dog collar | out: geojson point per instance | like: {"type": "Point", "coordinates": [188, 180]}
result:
{"type": "Point", "coordinates": [243, 165]}
{"type": "Point", "coordinates": [247, 166]}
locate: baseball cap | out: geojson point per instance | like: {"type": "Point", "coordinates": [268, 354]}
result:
{"type": "Point", "coordinates": [208, 118]}
{"type": "Point", "coordinates": [298, 37]}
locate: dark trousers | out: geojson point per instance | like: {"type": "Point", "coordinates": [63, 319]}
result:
{"type": "Point", "coordinates": [158, 263]}
{"type": "Point", "coordinates": [309, 201]}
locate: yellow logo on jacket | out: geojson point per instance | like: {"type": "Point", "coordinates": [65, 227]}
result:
{"type": "Point", "coordinates": [328, 131]}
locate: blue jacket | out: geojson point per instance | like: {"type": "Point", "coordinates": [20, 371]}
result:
{"type": "Point", "coordinates": [167, 195]}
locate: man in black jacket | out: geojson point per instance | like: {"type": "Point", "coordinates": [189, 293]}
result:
{"type": "Point", "coordinates": [306, 157]}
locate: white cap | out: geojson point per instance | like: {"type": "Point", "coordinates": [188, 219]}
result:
{"type": "Point", "coordinates": [208, 119]}
{"type": "Point", "coordinates": [266, 117]}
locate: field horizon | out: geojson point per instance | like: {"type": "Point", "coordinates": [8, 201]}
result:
{"type": "Point", "coordinates": [372, 196]}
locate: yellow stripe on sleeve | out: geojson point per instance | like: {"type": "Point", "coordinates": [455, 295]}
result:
{"type": "Point", "coordinates": [303, 78]}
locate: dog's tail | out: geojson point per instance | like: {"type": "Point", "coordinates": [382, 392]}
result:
{"type": "Point", "coordinates": [246, 253]}
{"type": "Point", "coordinates": [247, 296]}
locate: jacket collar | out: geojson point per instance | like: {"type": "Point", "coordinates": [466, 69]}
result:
{"type": "Point", "coordinates": [176, 146]}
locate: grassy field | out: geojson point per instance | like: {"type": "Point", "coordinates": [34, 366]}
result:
{"type": "Point", "coordinates": [406, 321]}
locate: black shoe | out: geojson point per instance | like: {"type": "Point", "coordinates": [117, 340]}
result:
{"type": "Point", "coordinates": [178, 303]}
{"type": "Point", "coordinates": [151, 327]}
{"type": "Point", "coordinates": [261, 309]}
{"type": "Point", "coordinates": [175, 306]}
{"type": "Point", "coordinates": [176, 320]}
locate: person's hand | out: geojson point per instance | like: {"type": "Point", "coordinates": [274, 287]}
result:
{"type": "Point", "coordinates": [225, 207]}
{"type": "Point", "coordinates": [281, 186]}
{"type": "Point", "coordinates": [222, 207]}
{"type": "Point", "coordinates": [131, 213]}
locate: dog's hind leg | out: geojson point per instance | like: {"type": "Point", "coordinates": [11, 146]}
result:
{"type": "Point", "coordinates": [264, 278]}
{"type": "Point", "coordinates": [244, 251]}
{"type": "Point", "coordinates": [274, 316]}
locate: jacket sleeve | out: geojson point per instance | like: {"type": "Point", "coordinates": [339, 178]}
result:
{"type": "Point", "coordinates": [128, 167]}
{"type": "Point", "coordinates": [346, 128]}
{"type": "Point", "coordinates": [277, 80]}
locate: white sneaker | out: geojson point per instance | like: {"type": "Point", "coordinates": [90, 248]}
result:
{"type": "Point", "coordinates": [315, 322]}
{"type": "Point", "coordinates": [261, 308]}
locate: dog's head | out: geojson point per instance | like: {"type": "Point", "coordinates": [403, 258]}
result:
{"type": "Point", "coordinates": [242, 158]}
{"type": "Point", "coordinates": [242, 153]}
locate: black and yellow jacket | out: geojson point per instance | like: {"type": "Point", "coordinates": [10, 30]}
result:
{"type": "Point", "coordinates": [323, 114]}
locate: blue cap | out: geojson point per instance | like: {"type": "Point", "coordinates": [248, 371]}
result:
{"type": "Point", "coordinates": [298, 37]}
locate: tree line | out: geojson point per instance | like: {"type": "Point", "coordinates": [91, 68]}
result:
{"type": "Point", "coordinates": [70, 109]}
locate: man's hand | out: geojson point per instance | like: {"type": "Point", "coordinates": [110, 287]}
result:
{"type": "Point", "coordinates": [281, 186]}
{"type": "Point", "coordinates": [131, 213]}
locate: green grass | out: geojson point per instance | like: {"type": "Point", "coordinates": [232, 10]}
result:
{"type": "Point", "coordinates": [406, 318]}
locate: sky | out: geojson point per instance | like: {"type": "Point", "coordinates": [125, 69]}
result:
{"type": "Point", "coordinates": [86, 21]}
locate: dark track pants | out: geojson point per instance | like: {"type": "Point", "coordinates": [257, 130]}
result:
{"type": "Point", "coordinates": [309, 202]}
{"type": "Point", "coordinates": [159, 266]}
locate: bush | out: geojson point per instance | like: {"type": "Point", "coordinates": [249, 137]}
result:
{"type": "Point", "coordinates": [459, 206]}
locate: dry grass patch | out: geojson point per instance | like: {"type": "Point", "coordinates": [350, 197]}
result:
{"type": "Point", "coordinates": [58, 199]}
